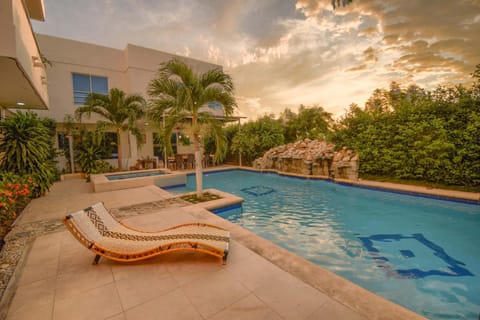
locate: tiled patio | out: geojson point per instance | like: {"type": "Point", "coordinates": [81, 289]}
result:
{"type": "Point", "coordinates": [58, 281]}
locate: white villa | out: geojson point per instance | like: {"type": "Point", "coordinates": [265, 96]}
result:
{"type": "Point", "coordinates": [76, 69]}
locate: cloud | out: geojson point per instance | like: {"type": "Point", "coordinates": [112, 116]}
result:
{"type": "Point", "coordinates": [371, 54]}
{"type": "Point", "coordinates": [358, 68]}
{"type": "Point", "coordinates": [283, 53]}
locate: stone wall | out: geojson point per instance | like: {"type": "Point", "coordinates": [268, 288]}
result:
{"type": "Point", "coordinates": [311, 157]}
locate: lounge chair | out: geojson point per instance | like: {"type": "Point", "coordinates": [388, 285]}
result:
{"type": "Point", "coordinates": [101, 233]}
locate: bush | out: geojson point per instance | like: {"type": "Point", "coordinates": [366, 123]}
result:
{"type": "Point", "coordinates": [256, 137]}
{"type": "Point", "coordinates": [27, 149]}
{"type": "Point", "coordinates": [415, 134]}
{"type": "Point", "coordinates": [15, 194]}
{"type": "Point", "coordinates": [89, 152]}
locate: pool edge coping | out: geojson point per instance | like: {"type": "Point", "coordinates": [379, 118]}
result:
{"type": "Point", "coordinates": [405, 189]}
{"type": "Point", "coordinates": [356, 298]}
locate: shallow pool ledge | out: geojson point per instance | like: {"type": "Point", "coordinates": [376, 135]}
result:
{"type": "Point", "coordinates": [101, 183]}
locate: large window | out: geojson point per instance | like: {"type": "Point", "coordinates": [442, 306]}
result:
{"type": "Point", "coordinates": [83, 84]}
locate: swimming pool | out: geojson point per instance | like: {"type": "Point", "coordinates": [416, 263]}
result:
{"type": "Point", "coordinates": [418, 252]}
{"type": "Point", "coordinates": [138, 174]}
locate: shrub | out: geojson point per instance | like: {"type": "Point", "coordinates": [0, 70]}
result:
{"type": "Point", "coordinates": [90, 150]}
{"type": "Point", "coordinates": [15, 194]}
{"type": "Point", "coordinates": [26, 149]}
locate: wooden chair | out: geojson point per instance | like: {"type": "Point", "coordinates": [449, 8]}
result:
{"type": "Point", "coordinates": [101, 233]}
{"type": "Point", "coordinates": [191, 161]}
{"type": "Point", "coordinates": [172, 163]}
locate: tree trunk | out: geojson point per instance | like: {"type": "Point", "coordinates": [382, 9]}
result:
{"type": "Point", "coordinates": [198, 165]}
{"type": "Point", "coordinates": [119, 150]}
{"type": "Point", "coordinates": [70, 150]}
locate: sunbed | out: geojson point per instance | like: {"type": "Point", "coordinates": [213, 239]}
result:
{"type": "Point", "coordinates": [107, 237]}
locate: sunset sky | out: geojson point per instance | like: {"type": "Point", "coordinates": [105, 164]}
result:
{"type": "Point", "coordinates": [283, 53]}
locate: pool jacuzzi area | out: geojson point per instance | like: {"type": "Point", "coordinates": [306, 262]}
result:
{"type": "Point", "coordinates": [135, 179]}
{"type": "Point", "coordinates": [419, 252]}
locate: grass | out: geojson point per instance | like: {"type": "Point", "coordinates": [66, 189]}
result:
{"type": "Point", "coordinates": [420, 183]}
{"type": "Point", "coordinates": [192, 198]}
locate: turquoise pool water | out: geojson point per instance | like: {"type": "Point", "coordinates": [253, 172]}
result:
{"type": "Point", "coordinates": [418, 252]}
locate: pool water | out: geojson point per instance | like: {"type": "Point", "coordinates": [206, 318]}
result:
{"type": "Point", "coordinates": [131, 175]}
{"type": "Point", "coordinates": [419, 252]}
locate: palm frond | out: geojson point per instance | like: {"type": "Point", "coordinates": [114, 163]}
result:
{"type": "Point", "coordinates": [177, 95]}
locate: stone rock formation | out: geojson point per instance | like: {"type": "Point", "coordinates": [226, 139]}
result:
{"type": "Point", "coordinates": [311, 157]}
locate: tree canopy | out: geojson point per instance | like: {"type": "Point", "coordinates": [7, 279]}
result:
{"type": "Point", "coordinates": [178, 95]}
{"type": "Point", "coordinates": [401, 133]}
{"type": "Point", "coordinates": [417, 134]}
{"type": "Point", "coordinates": [119, 110]}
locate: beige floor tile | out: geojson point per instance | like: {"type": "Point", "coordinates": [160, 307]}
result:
{"type": "Point", "coordinates": [120, 316]}
{"type": "Point", "coordinates": [214, 292]}
{"type": "Point", "coordinates": [253, 271]}
{"type": "Point", "coordinates": [334, 310]}
{"type": "Point", "coordinates": [42, 260]}
{"type": "Point", "coordinates": [182, 285]}
{"type": "Point", "coordinates": [138, 270]}
{"type": "Point", "coordinates": [137, 284]}
{"type": "Point", "coordinates": [237, 253]}
{"type": "Point", "coordinates": [73, 283]}
{"type": "Point", "coordinates": [44, 251]}
{"type": "Point", "coordinates": [45, 212]}
{"type": "Point", "coordinates": [246, 309]}
{"type": "Point", "coordinates": [77, 259]}
{"type": "Point", "coordinates": [49, 239]}
{"type": "Point", "coordinates": [289, 297]}
{"type": "Point", "coordinates": [32, 273]}
{"type": "Point", "coordinates": [186, 267]}
{"type": "Point", "coordinates": [174, 216]}
{"type": "Point", "coordinates": [33, 301]}
{"type": "Point", "coordinates": [34, 312]}
{"type": "Point", "coordinates": [171, 306]}
{"type": "Point", "coordinates": [131, 196]}
{"type": "Point", "coordinates": [70, 245]}
{"type": "Point", "coordinates": [98, 303]}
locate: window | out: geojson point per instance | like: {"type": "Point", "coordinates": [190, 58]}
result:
{"type": "Point", "coordinates": [62, 141]}
{"type": "Point", "coordinates": [83, 84]}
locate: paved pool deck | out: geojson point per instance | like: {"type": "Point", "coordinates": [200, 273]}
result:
{"type": "Point", "coordinates": [56, 280]}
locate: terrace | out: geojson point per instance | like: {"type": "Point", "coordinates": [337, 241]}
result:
{"type": "Point", "coordinates": [46, 274]}
{"type": "Point", "coordinates": [54, 277]}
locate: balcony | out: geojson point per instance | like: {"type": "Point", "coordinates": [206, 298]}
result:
{"type": "Point", "coordinates": [23, 81]}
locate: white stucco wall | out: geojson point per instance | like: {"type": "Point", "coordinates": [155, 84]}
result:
{"type": "Point", "coordinates": [129, 70]}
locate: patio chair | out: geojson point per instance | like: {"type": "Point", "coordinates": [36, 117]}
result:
{"type": "Point", "coordinates": [107, 237]}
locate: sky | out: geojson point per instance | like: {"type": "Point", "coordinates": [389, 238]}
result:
{"type": "Point", "coordinates": [283, 53]}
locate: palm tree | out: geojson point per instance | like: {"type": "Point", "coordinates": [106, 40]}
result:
{"type": "Point", "coordinates": [178, 95]}
{"type": "Point", "coordinates": [121, 111]}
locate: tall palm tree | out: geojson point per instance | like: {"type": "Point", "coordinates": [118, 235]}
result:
{"type": "Point", "coordinates": [178, 95]}
{"type": "Point", "coordinates": [121, 112]}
